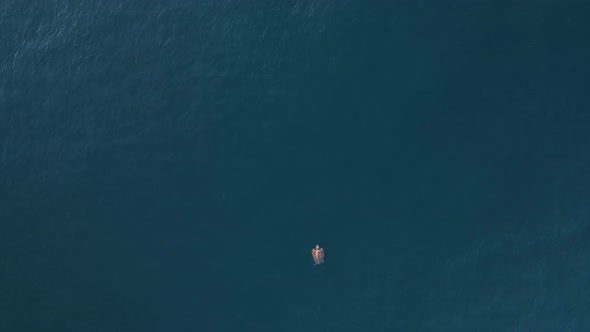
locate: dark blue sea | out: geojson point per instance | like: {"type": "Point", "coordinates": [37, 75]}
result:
{"type": "Point", "coordinates": [169, 165]}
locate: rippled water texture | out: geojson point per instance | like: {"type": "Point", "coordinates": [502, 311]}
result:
{"type": "Point", "coordinates": [168, 165]}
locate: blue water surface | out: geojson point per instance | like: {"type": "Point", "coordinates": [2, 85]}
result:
{"type": "Point", "coordinates": [169, 165]}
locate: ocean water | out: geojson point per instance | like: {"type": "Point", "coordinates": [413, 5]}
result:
{"type": "Point", "coordinates": [169, 165]}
